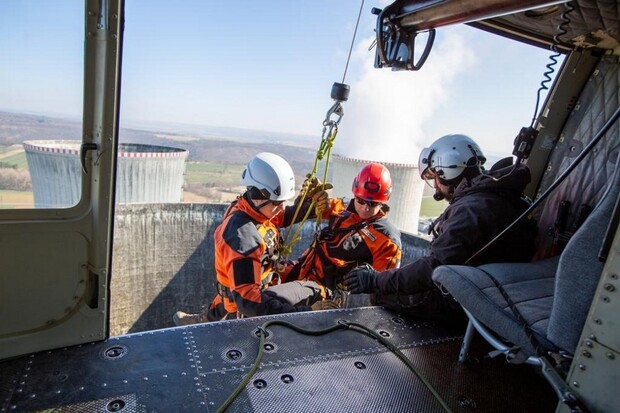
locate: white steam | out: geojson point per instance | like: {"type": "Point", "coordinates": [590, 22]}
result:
{"type": "Point", "coordinates": [385, 114]}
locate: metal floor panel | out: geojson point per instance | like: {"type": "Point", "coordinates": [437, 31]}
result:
{"type": "Point", "coordinates": [196, 368]}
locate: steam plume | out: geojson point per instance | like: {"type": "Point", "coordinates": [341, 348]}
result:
{"type": "Point", "coordinates": [386, 112]}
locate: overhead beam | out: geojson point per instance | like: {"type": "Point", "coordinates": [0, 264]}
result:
{"type": "Point", "coordinates": [427, 15]}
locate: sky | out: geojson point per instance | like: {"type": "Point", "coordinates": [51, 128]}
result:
{"type": "Point", "coordinates": [270, 65]}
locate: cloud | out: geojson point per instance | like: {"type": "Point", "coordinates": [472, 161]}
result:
{"type": "Point", "coordinates": [386, 110]}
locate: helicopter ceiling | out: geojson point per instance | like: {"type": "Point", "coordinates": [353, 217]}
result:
{"type": "Point", "coordinates": [557, 25]}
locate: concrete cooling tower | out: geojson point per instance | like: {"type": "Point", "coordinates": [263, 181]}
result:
{"type": "Point", "coordinates": [406, 197]}
{"type": "Point", "coordinates": [145, 173]}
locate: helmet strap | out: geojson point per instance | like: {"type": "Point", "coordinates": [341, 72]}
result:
{"type": "Point", "coordinates": [252, 199]}
{"type": "Point", "coordinates": [258, 207]}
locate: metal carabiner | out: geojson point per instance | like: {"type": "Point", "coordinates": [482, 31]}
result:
{"type": "Point", "coordinates": [337, 110]}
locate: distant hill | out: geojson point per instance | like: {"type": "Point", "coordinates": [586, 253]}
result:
{"type": "Point", "coordinates": [16, 128]}
{"type": "Point", "coordinates": [205, 144]}
{"type": "Point", "coordinates": [219, 132]}
{"type": "Point", "coordinates": [212, 144]}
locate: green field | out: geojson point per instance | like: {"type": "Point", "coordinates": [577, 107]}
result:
{"type": "Point", "coordinates": [431, 208]}
{"type": "Point", "coordinates": [18, 159]}
{"type": "Point", "coordinates": [23, 199]}
{"type": "Point", "coordinates": [209, 173]}
{"type": "Point", "coordinates": [16, 199]}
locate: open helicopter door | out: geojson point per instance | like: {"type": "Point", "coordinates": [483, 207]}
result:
{"type": "Point", "coordinates": [55, 261]}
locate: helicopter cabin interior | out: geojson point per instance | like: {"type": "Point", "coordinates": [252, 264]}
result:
{"type": "Point", "coordinates": [542, 336]}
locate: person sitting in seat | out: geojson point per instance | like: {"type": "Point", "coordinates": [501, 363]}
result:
{"type": "Point", "coordinates": [357, 232]}
{"type": "Point", "coordinates": [247, 247]}
{"type": "Point", "coordinates": [481, 206]}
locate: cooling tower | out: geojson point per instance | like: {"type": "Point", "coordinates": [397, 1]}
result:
{"type": "Point", "coordinates": [145, 173]}
{"type": "Point", "coordinates": [406, 195]}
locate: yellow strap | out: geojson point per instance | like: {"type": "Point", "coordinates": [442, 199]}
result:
{"type": "Point", "coordinates": [324, 151]}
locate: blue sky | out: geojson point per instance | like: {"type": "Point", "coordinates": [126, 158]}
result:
{"type": "Point", "coordinates": [269, 65]}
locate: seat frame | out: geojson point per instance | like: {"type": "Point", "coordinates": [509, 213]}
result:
{"type": "Point", "coordinates": [474, 325]}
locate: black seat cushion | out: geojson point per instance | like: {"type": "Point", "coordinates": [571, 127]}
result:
{"type": "Point", "coordinates": [529, 286]}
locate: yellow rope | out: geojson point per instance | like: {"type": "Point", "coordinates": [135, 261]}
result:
{"type": "Point", "coordinates": [324, 151]}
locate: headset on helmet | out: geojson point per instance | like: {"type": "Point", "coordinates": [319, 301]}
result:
{"type": "Point", "coordinates": [271, 175]}
{"type": "Point", "coordinates": [449, 156]}
{"type": "Point", "coordinates": [373, 183]}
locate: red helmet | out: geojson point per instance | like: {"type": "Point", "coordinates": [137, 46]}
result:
{"type": "Point", "coordinates": [373, 183]}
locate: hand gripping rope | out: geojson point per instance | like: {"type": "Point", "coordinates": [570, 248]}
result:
{"type": "Point", "coordinates": [340, 93]}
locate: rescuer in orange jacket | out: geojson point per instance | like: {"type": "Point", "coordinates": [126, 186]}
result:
{"type": "Point", "coordinates": [247, 243]}
{"type": "Point", "coordinates": [357, 233]}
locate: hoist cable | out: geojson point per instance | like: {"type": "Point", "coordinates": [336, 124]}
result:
{"type": "Point", "coordinates": [324, 151]}
{"type": "Point", "coordinates": [352, 41]}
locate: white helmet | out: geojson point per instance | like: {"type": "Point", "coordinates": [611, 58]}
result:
{"type": "Point", "coordinates": [271, 175]}
{"type": "Point", "coordinates": [448, 157]}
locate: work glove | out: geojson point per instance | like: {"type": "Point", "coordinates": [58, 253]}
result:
{"type": "Point", "coordinates": [321, 202]}
{"type": "Point", "coordinates": [324, 305]}
{"type": "Point", "coordinates": [311, 186]}
{"type": "Point", "coordinates": [361, 280]}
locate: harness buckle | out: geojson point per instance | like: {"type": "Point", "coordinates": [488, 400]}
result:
{"type": "Point", "coordinates": [224, 291]}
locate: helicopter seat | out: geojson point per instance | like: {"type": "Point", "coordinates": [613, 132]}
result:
{"type": "Point", "coordinates": [547, 300]}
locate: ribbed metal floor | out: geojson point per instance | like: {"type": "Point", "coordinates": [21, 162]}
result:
{"type": "Point", "coordinates": [195, 368]}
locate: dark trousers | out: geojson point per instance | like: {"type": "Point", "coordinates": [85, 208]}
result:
{"type": "Point", "coordinates": [298, 292]}
{"type": "Point", "coordinates": [427, 305]}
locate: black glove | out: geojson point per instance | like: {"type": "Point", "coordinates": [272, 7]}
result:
{"type": "Point", "coordinates": [361, 280]}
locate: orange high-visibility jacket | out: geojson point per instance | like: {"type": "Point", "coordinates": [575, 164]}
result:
{"type": "Point", "coordinates": [246, 251]}
{"type": "Point", "coordinates": [347, 242]}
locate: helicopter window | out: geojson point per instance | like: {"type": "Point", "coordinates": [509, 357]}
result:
{"type": "Point", "coordinates": [169, 94]}
{"type": "Point", "coordinates": [41, 72]}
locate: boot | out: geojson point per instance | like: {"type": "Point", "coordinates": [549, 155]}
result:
{"type": "Point", "coordinates": [340, 297]}
{"type": "Point", "coordinates": [184, 319]}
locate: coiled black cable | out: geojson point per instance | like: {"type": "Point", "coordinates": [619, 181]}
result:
{"type": "Point", "coordinates": [565, 21]}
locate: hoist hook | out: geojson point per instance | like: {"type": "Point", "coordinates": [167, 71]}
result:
{"type": "Point", "coordinates": [339, 93]}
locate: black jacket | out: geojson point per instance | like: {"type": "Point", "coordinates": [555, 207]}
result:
{"type": "Point", "coordinates": [479, 210]}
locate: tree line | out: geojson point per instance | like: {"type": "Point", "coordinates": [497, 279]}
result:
{"type": "Point", "coordinates": [14, 179]}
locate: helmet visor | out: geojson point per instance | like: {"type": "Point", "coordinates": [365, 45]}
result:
{"type": "Point", "coordinates": [428, 174]}
{"type": "Point", "coordinates": [424, 162]}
